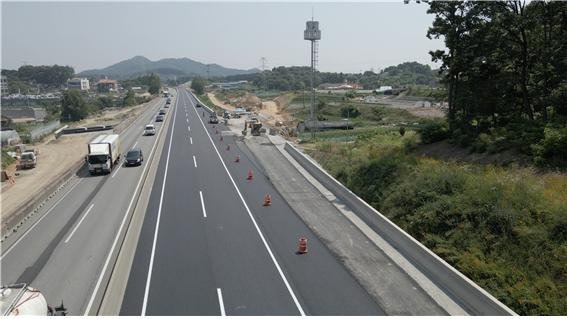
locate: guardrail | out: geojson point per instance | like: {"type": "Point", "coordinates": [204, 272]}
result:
{"type": "Point", "coordinates": [32, 205]}
{"type": "Point", "coordinates": [471, 297]}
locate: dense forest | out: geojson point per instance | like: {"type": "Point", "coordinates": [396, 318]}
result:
{"type": "Point", "coordinates": [299, 78]}
{"type": "Point", "coordinates": [505, 70]}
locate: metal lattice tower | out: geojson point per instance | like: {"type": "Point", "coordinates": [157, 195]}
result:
{"type": "Point", "coordinates": [313, 34]}
{"type": "Point", "coordinates": [263, 63]}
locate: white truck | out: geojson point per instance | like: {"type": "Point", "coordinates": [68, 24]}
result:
{"type": "Point", "coordinates": [23, 300]}
{"type": "Point", "coordinates": [104, 153]}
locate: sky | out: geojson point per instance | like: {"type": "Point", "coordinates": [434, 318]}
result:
{"type": "Point", "coordinates": [355, 36]}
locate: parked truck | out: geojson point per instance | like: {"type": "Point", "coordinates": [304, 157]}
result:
{"type": "Point", "coordinates": [28, 159]}
{"type": "Point", "coordinates": [104, 153]}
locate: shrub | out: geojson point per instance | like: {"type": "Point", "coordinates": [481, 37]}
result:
{"type": "Point", "coordinates": [350, 111]}
{"type": "Point", "coordinates": [433, 131]}
{"type": "Point", "coordinates": [552, 150]}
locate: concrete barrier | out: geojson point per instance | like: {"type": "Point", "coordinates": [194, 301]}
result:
{"type": "Point", "coordinates": [471, 297]}
{"type": "Point", "coordinates": [203, 105]}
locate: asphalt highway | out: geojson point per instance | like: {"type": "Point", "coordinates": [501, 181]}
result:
{"type": "Point", "coordinates": [208, 246]}
{"type": "Point", "coordinates": [63, 251]}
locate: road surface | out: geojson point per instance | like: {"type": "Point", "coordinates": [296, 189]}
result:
{"type": "Point", "coordinates": [208, 246]}
{"type": "Point", "coordinates": [64, 250]}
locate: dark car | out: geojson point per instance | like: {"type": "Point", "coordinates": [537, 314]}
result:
{"type": "Point", "coordinates": [198, 105]}
{"type": "Point", "coordinates": [161, 112]}
{"type": "Point", "coordinates": [134, 157]}
{"type": "Point", "coordinates": [213, 119]}
{"type": "Point", "coordinates": [159, 118]}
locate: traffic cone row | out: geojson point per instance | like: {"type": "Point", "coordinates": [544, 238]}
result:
{"type": "Point", "coordinates": [302, 245]}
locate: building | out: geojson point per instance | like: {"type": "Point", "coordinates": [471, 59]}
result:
{"type": "Point", "coordinates": [340, 86]}
{"type": "Point", "coordinates": [24, 114]}
{"type": "Point", "coordinates": [106, 86]}
{"type": "Point", "coordinates": [81, 84]}
{"type": "Point", "coordinates": [229, 85]}
{"type": "Point", "coordinates": [9, 137]}
{"type": "Point", "coordinates": [4, 84]}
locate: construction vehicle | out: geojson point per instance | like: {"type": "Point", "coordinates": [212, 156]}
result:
{"type": "Point", "coordinates": [255, 127]}
{"type": "Point", "coordinates": [104, 153]}
{"type": "Point", "coordinates": [23, 300]}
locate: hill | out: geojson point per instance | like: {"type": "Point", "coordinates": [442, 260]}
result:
{"type": "Point", "coordinates": [165, 68]}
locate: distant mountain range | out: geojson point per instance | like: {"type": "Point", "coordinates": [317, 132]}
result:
{"type": "Point", "coordinates": [165, 68]}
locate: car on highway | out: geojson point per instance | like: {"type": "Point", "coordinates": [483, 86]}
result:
{"type": "Point", "coordinates": [134, 157]}
{"type": "Point", "coordinates": [161, 112]}
{"type": "Point", "coordinates": [198, 105]}
{"type": "Point", "coordinates": [150, 129]}
{"type": "Point", "coordinates": [213, 119]}
{"type": "Point", "coordinates": [159, 118]}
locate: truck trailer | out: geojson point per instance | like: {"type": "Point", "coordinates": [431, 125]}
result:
{"type": "Point", "coordinates": [103, 153]}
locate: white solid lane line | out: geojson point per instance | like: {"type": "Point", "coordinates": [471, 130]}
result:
{"type": "Point", "coordinates": [191, 140]}
{"type": "Point", "coordinates": [115, 243]}
{"type": "Point", "coordinates": [39, 220]}
{"type": "Point", "coordinates": [221, 303]}
{"type": "Point", "coordinates": [152, 256]}
{"type": "Point", "coordinates": [119, 167]}
{"type": "Point", "coordinates": [194, 161]}
{"type": "Point", "coordinates": [279, 269]}
{"type": "Point", "coordinates": [79, 223]}
{"type": "Point", "coordinates": [203, 204]}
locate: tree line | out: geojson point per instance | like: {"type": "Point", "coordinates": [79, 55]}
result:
{"type": "Point", "coordinates": [151, 81]}
{"type": "Point", "coordinates": [299, 77]}
{"type": "Point", "coordinates": [29, 76]}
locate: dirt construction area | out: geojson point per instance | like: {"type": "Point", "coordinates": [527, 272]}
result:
{"type": "Point", "coordinates": [58, 155]}
{"type": "Point", "coordinates": [271, 111]}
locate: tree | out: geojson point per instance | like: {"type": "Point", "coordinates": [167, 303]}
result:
{"type": "Point", "coordinates": [73, 106]}
{"type": "Point", "coordinates": [129, 99]}
{"type": "Point", "coordinates": [154, 84]}
{"type": "Point", "coordinates": [198, 84]}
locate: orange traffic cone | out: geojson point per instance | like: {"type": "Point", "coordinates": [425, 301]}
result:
{"type": "Point", "coordinates": [302, 249]}
{"type": "Point", "coordinates": [267, 200]}
{"type": "Point", "coordinates": [237, 159]}
{"type": "Point", "coordinates": [250, 175]}
{"type": "Point", "coordinates": [228, 147]}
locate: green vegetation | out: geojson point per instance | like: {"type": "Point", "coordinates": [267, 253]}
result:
{"type": "Point", "coordinates": [506, 229]}
{"type": "Point", "coordinates": [361, 115]}
{"type": "Point", "coordinates": [151, 81]}
{"type": "Point", "coordinates": [28, 76]}
{"type": "Point", "coordinates": [205, 99]}
{"type": "Point", "coordinates": [504, 68]}
{"type": "Point", "coordinates": [299, 78]}
{"type": "Point", "coordinates": [198, 84]}
{"type": "Point", "coordinates": [129, 99]}
{"type": "Point", "coordinates": [7, 160]}
{"type": "Point", "coordinates": [73, 106]}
